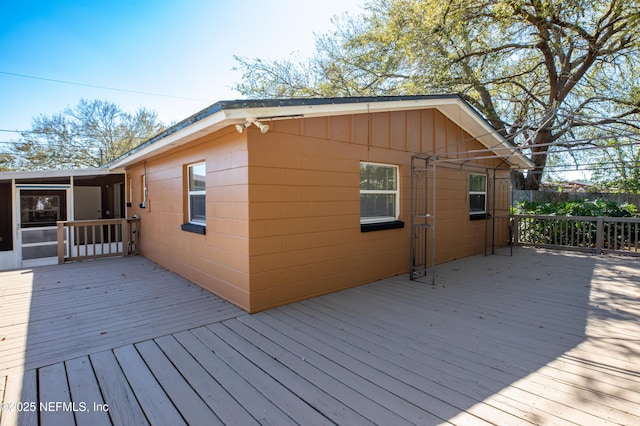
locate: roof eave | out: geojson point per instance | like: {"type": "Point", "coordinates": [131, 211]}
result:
{"type": "Point", "coordinates": [53, 173]}
{"type": "Point", "coordinates": [478, 128]}
{"type": "Point", "coordinates": [227, 113]}
{"type": "Point", "coordinates": [173, 139]}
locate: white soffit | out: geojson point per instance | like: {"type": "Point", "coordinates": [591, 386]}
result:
{"type": "Point", "coordinates": [465, 117]}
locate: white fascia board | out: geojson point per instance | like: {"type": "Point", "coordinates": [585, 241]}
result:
{"type": "Point", "coordinates": [452, 107]}
{"type": "Point", "coordinates": [327, 110]}
{"type": "Point", "coordinates": [472, 123]}
{"type": "Point", "coordinates": [207, 125]}
{"type": "Point", "coordinates": [228, 117]}
{"type": "Point", "coordinates": [53, 173]}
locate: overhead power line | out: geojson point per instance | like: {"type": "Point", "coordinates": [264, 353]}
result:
{"type": "Point", "coordinates": [95, 86]}
{"type": "Point", "coordinates": [35, 132]}
{"type": "Point", "coordinates": [42, 133]}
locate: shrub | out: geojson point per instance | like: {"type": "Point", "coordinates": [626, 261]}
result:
{"type": "Point", "coordinates": [578, 208]}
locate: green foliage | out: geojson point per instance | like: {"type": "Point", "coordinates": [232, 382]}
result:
{"type": "Point", "coordinates": [544, 73]}
{"type": "Point", "coordinates": [6, 162]}
{"type": "Point", "coordinates": [594, 208]}
{"type": "Point", "coordinates": [572, 228]}
{"type": "Point", "coordinates": [91, 134]}
{"type": "Point", "coordinates": [618, 185]}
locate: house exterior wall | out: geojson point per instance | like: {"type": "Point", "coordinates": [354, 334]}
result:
{"type": "Point", "coordinates": [304, 208]}
{"type": "Point", "coordinates": [218, 260]}
{"type": "Point", "coordinates": [283, 208]}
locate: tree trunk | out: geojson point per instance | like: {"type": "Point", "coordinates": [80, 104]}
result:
{"type": "Point", "coordinates": [539, 158]}
{"type": "Point", "coordinates": [517, 179]}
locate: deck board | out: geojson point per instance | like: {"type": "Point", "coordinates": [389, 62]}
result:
{"type": "Point", "coordinates": [190, 405]}
{"type": "Point", "coordinates": [282, 397]}
{"type": "Point", "coordinates": [214, 395]}
{"type": "Point", "coordinates": [400, 360]}
{"type": "Point", "coordinates": [20, 388]}
{"type": "Point", "coordinates": [123, 406]}
{"type": "Point", "coordinates": [53, 390]}
{"type": "Point", "coordinates": [84, 388]}
{"type": "Point", "coordinates": [153, 399]}
{"type": "Point", "coordinates": [67, 311]}
{"type": "Point", "coordinates": [308, 386]}
{"type": "Point", "coordinates": [364, 393]}
{"type": "Point", "coordinates": [538, 338]}
{"type": "Point", "coordinates": [372, 359]}
{"type": "Point", "coordinates": [261, 408]}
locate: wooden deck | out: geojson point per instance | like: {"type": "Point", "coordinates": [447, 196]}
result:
{"type": "Point", "coordinates": [537, 338]}
{"type": "Point", "coordinates": [55, 313]}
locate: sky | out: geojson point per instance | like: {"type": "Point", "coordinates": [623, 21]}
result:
{"type": "Point", "coordinates": [174, 57]}
{"type": "Point", "coordinates": [183, 50]}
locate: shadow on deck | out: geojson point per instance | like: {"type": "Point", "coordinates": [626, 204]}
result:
{"type": "Point", "coordinates": [538, 338]}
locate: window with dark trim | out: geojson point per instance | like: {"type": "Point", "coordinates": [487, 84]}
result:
{"type": "Point", "coordinates": [42, 207]}
{"type": "Point", "coordinates": [196, 193]}
{"type": "Point", "coordinates": [379, 193]}
{"type": "Point", "coordinates": [477, 195]}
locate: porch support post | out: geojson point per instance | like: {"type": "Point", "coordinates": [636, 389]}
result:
{"type": "Point", "coordinates": [126, 237]}
{"type": "Point", "coordinates": [60, 242]}
{"type": "Point", "coordinates": [599, 235]}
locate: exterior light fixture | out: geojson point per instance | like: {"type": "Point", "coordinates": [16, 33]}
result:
{"type": "Point", "coordinates": [240, 127]}
{"type": "Point", "coordinates": [264, 128]}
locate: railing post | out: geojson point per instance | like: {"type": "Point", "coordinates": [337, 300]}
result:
{"type": "Point", "coordinates": [126, 237]}
{"type": "Point", "coordinates": [60, 243]}
{"type": "Point", "coordinates": [136, 238]}
{"type": "Point", "coordinates": [516, 230]}
{"type": "Point", "coordinates": [599, 235]}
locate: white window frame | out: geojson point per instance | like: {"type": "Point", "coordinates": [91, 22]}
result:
{"type": "Point", "coordinates": [143, 203]}
{"type": "Point", "coordinates": [195, 192]}
{"type": "Point", "coordinates": [395, 192]}
{"type": "Point", "coordinates": [484, 210]}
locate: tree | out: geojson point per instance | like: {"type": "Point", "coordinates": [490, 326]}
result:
{"type": "Point", "coordinates": [90, 134]}
{"type": "Point", "coordinates": [6, 162]}
{"type": "Point", "coordinates": [617, 166]}
{"type": "Point", "coordinates": [544, 73]}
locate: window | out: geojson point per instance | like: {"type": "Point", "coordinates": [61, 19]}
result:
{"type": "Point", "coordinates": [477, 194]}
{"type": "Point", "coordinates": [143, 184]}
{"type": "Point", "coordinates": [379, 193]}
{"type": "Point", "coordinates": [42, 207]}
{"type": "Point", "coordinates": [196, 188]}
{"type": "Point", "coordinates": [130, 200]}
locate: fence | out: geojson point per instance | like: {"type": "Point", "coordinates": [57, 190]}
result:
{"type": "Point", "coordinates": [90, 239]}
{"type": "Point", "coordinates": [591, 234]}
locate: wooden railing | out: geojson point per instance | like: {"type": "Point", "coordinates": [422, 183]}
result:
{"type": "Point", "coordinates": [90, 239]}
{"type": "Point", "coordinates": [584, 233]}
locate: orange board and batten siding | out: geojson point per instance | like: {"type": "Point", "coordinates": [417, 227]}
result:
{"type": "Point", "coordinates": [283, 208]}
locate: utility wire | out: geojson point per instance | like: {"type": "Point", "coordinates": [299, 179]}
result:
{"type": "Point", "coordinates": [95, 86]}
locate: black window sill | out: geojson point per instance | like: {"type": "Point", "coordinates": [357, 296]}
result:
{"type": "Point", "coordinates": [479, 216]}
{"type": "Point", "coordinates": [381, 226]}
{"type": "Point", "coordinates": [196, 229]}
